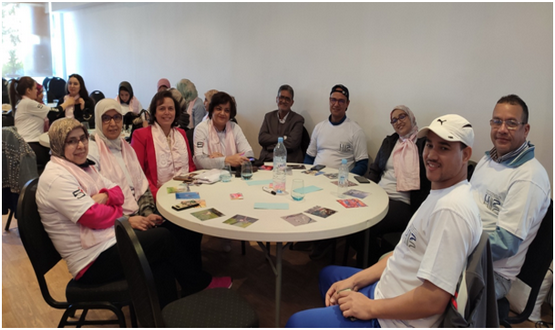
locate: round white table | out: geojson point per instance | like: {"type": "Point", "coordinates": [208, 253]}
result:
{"type": "Point", "coordinates": [270, 227]}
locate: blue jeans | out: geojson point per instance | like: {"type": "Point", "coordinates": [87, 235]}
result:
{"type": "Point", "coordinates": [332, 317]}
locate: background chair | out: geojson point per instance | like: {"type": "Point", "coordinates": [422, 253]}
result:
{"type": "Point", "coordinates": [19, 165]}
{"type": "Point", "coordinates": [212, 308]}
{"type": "Point", "coordinates": [538, 259]}
{"type": "Point", "coordinates": [96, 95]}
{"type": "Point", "coordinates": [474, 304]}
{"type": "Point", "coordinates": [55, 89]}
{"type": "Point", "coordinates": [112, 296]}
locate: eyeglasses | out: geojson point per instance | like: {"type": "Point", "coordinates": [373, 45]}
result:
{"type": "Point", "coordinates": [74, 142]}
{"type": "Point", "coordinates": [333, 100]}
{"type": "Point", "coordinates": [510, 123]}
{"type": "Point", "coordinates": [395, 119]}
{"type": "Point", "coordinates": [117, 118]}
{"type": "Point", "coordinates": [285, 99]}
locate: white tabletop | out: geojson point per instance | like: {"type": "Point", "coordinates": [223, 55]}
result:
{"type": "Point", "coordinates": [270, 227]}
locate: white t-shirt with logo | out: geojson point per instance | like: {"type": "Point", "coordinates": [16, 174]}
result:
{"type": "Point", "coordinates": [434, 247]}
{"type": "Point", "coordinates": [61, 202]}
{"type": "Point", "coordinates": [330, 143]}
{"type": "Point", "coordinates": [515, 199]}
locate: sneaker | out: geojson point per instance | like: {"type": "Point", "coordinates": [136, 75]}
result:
{"type": "Point", "coordinates": [220, 282]}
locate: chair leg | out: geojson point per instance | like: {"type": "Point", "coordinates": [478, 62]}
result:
{"type": "Point", "coordinates": [133, 316]}
{"type": "Point", "coordinates": [10, 216]}
{"type": "Point", "coordinates": [81, 318]}
{"type": "Point", "coordinates": [243, 251]}
{"type": "Point", "coordinates": [65, 316]}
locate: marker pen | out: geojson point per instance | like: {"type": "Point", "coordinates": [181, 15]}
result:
{"type": "Point", "coordinates": [268, 190]}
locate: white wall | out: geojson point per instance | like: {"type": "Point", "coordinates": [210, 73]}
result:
{"type": "Point", "coordinates": [436, 58]}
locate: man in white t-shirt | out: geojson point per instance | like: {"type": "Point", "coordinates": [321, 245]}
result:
{"type": "Point", "coordinates": [338, 137]}
{"type": "Point", "coordinates": [511, 189]}
{"type": "Point", "coordinates": [412, 286]}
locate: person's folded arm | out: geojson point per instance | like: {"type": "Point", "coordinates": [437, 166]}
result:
{"type": "Point", "coordinates": [308, 159]}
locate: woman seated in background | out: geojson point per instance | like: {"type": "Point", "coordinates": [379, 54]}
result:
{"type": "Point", "coordinates": [30, 115]}
{"type": "Point", "coordinates": [128, 101]}
{"type": "Point", "coordinates": [207, 98]}
{"type": "Point", "coordinates": [162, 85]}
{"type": "Point", "coordinates": [218, 140]}
{"type": "Point", "coordinates": [400, 171]}
{"type": "Point", "coordinates": [78, 208]}
{"type": "Point", "coordinates": [162, 149]}
{"type": "Point", "coordinates": [116, 160]}
{"type": "Point", "coordinates": [83, 110]}
{"type": "Point", "coordinates": [194, 104]}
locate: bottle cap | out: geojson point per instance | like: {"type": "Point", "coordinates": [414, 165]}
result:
{"type": "Point", "coordinates": [280, 139]}
{"type": "Point", "coordinates": [343, 161]}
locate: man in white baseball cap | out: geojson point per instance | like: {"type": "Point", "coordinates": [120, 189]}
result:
{"type": "Point", "coordinates": [412, 286]}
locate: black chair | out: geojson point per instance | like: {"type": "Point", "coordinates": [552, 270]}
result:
{"type": "Point", "coordinates": [8, 119]}
{"type": "Point", "coordinates": [111, 296]}
{"type": "Point", "coordinates": [305, 141]}
{"type": "Point", "coordinates": [96, 95]}
{"type": "Point", "coordinates": [536, 264]}
{"type": "Point", "coordinates": [212, 308]}
{"type": "Point", "coordinates": [55, 89]}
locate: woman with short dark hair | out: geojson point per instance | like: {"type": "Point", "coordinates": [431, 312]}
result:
{"type": "Point", "coordinates": [218, 140]}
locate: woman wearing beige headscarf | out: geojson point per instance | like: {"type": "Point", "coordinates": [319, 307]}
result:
{"type": "Point", "coordinates": [78, 208]}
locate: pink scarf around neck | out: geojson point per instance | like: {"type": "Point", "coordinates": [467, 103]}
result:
{"type": "Point", "coordinates": [69, 110]}
{"type": "Point", "coordinates": [406, 164]}
{"type": "Point", "coordinates": [214, 140]}
{"type": "Point", "coordinates": [113, 171]}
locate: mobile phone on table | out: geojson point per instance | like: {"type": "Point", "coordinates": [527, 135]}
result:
{"type": "Point", "coordinates": [317, 167]}
{"type": "Point", "coordinates": [361, 179]}
{"type": "Point", "coordinates": [185, 205]}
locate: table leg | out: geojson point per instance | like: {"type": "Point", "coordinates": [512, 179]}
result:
{"type": "Point", "coordinates": [365, 249]}
{"type": "Point", "coordinates": [279, 252]}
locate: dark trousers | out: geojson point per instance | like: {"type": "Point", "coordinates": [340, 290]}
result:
{"type": "Point", "coordinates": [396, 220]}
{"type": "Point", "coordinates": [159, 246]}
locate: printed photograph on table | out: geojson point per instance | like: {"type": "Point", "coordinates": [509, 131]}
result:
{"type": "Point", "coordinates": [236, 196]}
{"type": "Point", "coordinates": [351, 203]}
{"type": "Point", "coordinates": [298, 219]}
{"type": "Point", "coordinates": [187, 195]}
{"type": "Point", "coordinates": [207, 214]}
{"type": "Point", "coordinates": [312, 172]}
{"type": "Point", "coordinates": [351, 183]}
{"type": "Point", "coordinates": [356, 193]}
{"type": "Point", "coordinates": [240, 221]}
{"type": "Point", "coordinates": [320, 211]}
{"type": "Point", "coordinates": [172, 190]}
{"type": "Point", "coordinates": [331, 176]}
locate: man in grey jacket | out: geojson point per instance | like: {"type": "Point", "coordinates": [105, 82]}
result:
{"type": "Point", "coordinates": [282, 122]}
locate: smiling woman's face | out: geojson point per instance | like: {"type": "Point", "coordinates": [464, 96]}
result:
{"type": "Point", "coordinates": [76, 148]}
{"type": "Point", "coordinates": [112, 128]}
{"type": "Point", "coordinates": [402, 126]}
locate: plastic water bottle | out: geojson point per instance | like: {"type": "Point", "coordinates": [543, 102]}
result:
{"type": "Point", "coordinates": [342, 178]}
{"type": "Point", "coordinates": [280, 164]}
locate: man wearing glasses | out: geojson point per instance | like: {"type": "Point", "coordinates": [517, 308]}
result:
{"type": "Point", "coordinates": [282, 122]}
{"type": "Point", "coordinates": [511, 189]}
{"type": "Point", "coordinates": [338, 137]}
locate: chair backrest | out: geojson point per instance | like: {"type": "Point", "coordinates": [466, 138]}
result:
{"type": "Point", "coordinates": [470, 169]}
{"type": "Point", "coordinates": [305, 141]}
{"type": "Point", "coordinates": [56, 89]}
{"type": "Point", "coordinates": [39, 247]}
{"type": "Point", "coordinates": [97, 95]}
{"type": "Point", "coordinates": [139, 276]}
{"type": "Point", "coordinates": [536, 264]}
{"type": "Point", "coordinates": [5, 97]}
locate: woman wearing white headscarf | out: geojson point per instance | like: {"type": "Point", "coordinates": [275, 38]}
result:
{"type": "Point", "coordinates": [400, 171]}
{"type": "Point", "coordinates": [116, 160]}
{"type": "Point", "coordinates": [78, 208]}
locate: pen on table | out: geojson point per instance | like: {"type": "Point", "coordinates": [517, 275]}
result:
{"type": "Point", "coordinates": [268, 190]}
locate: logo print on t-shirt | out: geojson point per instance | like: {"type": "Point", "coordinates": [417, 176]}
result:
{"type": "Point", "coordinates": [79, 193]}
{"type": "Point", "coordinates": [345, 147]}
{"type": "Point", "coordinates": [409, 237]}
{"type": "Point", "coordinates": [493, 202]}
{"type": "Point", "coordinates": [200, 144]}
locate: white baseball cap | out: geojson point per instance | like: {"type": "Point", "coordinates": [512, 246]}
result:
{"type": "Point", "coordinates": [452, 128]}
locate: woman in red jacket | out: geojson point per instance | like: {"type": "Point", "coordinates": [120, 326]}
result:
{"type": "Point", "coordinates": [162, 148]}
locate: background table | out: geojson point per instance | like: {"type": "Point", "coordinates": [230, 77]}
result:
{"type": "Point", "coordinates": [270, 227]}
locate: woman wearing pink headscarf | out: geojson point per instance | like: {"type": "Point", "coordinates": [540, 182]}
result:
{"type": "Point", "coordinates": [399, 170]}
